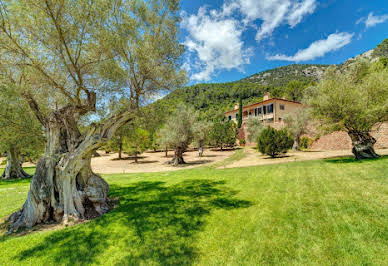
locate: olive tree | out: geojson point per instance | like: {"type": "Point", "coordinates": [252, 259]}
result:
{"type": "Point", "coordinates": [67, 59]}
{"type": "Point", "coordinates": [254, 128]}
{"type": "Point", "coordinates": [297, 124]}
{"type": "Point", "coordinates": [201, 131]}
{"type": "Point", "coordinates": [20, 133]}
{"type": "Point", "coordinates": [353, 99]}
{"type": "Point", "coordinates": [178, 132]}
{"type": "Point", "coordinates": [223, 133]}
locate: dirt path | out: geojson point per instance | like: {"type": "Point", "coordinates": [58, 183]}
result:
{"type": "Point", "coordinates": [149, 162]}
{"type": "Point", "coordinates": [253, 157]}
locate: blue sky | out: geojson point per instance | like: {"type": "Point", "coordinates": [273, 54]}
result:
{"type": "Point", "coordinates": [228, 40]}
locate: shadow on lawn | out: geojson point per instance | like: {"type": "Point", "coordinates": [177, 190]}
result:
{"type": "Point", "coordinates": [347, 159]}
{"type": "Point", "coordinates": [153, 223]}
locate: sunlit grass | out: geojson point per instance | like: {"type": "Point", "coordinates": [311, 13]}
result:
{"type": "Point", "coordinates": [317, 212]}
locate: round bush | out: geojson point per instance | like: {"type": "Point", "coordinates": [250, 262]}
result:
{"type": "Point", "coordinates": [274, 142]}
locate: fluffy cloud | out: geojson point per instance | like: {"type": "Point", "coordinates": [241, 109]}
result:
{"type": "Point", "coordinates": [216, 41]}
{"type": "Point", "coordinates": [319, 48]}
{"type": "Point", "coordinates": [373, 20]}
{"type": "Point", "coordinates": [272, 13]}
{"type": "Point", "coordinates": [215, 36]}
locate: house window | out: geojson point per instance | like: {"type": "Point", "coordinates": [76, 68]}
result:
{"type": "Point", "coordinates": [236, 116]}
{"type": "Point", "coordinates": [280, 119]}
{"type": "Point", "coordinates": [259, 110]}
{"type": "Point", "coordinates": [264, 109]}
{"type": "Point", "coordinates": [255, 111]}
{"type": "Point", "coordinates": [281, 107]}
{"type": "Point", "coordinates": [230, 117]}
{"type": "Point", "coordinates": [250, 113]}
{"type": "Point", "coordinates": [270, 108]}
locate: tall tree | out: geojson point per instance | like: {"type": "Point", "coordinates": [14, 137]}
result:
{"type": "Point", "coordinates": [67, 59]}
{"type": "Point", "coordinates": [20, 133]}
{"type": "Point", "coordinates": [240, 112]}
{"type": "Point", "coordinates": [297, 124]}
{"type": "Point", "coordinates": [354, 100]}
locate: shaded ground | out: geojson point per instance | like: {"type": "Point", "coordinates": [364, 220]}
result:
{"type": "Point", "coordinates": [253, 157]}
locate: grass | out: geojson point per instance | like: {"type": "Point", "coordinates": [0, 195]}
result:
{"type": "Point", "coordinates": [315, 212]}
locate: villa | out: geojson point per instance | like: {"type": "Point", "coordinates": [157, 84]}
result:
{"type": "Point", "coordinates": [271, 110]}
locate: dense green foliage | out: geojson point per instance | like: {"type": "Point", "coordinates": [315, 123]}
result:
{"type": "Point", "coordinates": [304, 213]}
{"type": "Point", "coordinates": [273, 142]}
{"type": "Point", "coordinates": [136, 142]}
{"type": "Point", "coordinates": [224, 133]}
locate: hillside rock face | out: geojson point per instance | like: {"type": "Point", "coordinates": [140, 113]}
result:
{"type": "Point", "coordinates": [280, 76]}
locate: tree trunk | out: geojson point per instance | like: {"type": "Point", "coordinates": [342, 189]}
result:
{"type": "Point", "coordinates": [14, 169]}
{"type": "Point", "coordinates": [200, 149]}
{"type": "Point", "coordinates": [296, 145]}
{"type": "Point", "coordinates": [64, 188]}
{"type": "Point", "coordinates": [166, 152]}
{"type": "Point", "coordinates": [120, 149]}
{"type": "Point", "coordinates": [178, 156]}
{"type": "Point", "coordinates": [363, 145]}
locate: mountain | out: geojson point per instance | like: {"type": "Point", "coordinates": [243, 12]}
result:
{"type": "Point", "coordinates": [216, 98]}
{"type": "Point", "coordinates": [281, 76]}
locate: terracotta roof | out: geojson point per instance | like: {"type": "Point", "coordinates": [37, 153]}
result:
{"type": "Point", "coordinates": [263, 102]}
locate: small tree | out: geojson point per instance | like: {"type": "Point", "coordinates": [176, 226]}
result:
{"type": "Point", "coordinates": [201, 131]}
{"type": "Point", "coordinates": [20, 133]}
{"type": "Point", "coordinates": [354, 100]}
{"type": "Point", "coordinates": [254, 128]}
{"type": "Point", "coordinates": [297, 124]}
{"type": "Point", "coordinates": [136, 142]}
{"type": "Point", "coordinates": [223, 133]}
{"type": "Point", "coordinates": [240, 112]}
{"type": "Point", "coordinates": [178, 131]}
{"type": "Point", "coordinates": [274, 142]}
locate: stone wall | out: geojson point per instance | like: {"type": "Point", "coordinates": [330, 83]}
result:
{"type": "Point", "coordinates": [341, 141]}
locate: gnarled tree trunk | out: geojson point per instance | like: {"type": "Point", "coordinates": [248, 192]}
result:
{"type": "Point", "coordinates": [363, 144]}
{"type": "Point", "coordinates": [178, 156]}
{"type": "Point", "coordinates": [14, 169]}
{"type": "Point", "coordinates": [296, 145]}
{"type": "Point", "coordinates": [64, 188]}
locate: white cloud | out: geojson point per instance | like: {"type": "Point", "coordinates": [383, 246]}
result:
{"type": "Point", "coordinates": [216, 41]}
{"type": "Point", "coordinates": [272, 13]}
{"type": "Point", "coordinates": [372, 20]}
{"type": "Point", "coordinates": [214, 38]}
{"type": "Point", "coordinates": [317, 49]}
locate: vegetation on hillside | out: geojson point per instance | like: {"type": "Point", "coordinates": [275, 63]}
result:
{"type": "Point", "coordinates": [381, 49]}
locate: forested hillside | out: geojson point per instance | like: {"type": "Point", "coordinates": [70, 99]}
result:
{"type": "Point", "coordinates": [216, 98]}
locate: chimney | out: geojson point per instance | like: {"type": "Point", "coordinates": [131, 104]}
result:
{"type": "Point", "coordinates": [236, 106]}
{"type": "Point", "coordinates": [266, 96]}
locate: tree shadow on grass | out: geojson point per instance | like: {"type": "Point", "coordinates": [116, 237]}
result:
{"type": "Point", "coordinates": [348, 159]}
{"type": "Point", "coordinates": [153, 224]}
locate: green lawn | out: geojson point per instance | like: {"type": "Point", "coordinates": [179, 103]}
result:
{"type": "Point", "coordinates": [318, 212]}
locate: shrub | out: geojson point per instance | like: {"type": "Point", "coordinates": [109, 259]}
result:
{"type": "Point", "coordinates": [305, 142]}
{"type": "Point", "coordinates": [242, 142]}
{"type": "Point", "coordinates": [274, 142]}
